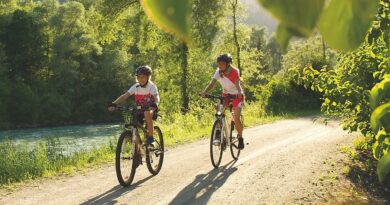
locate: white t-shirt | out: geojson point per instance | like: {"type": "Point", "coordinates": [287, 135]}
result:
{"type": "Point", "coordinates": [144, 96]}
{"type": "Point", "coordinates": [228, 82]}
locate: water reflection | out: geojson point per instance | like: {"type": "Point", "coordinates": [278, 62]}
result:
{"type": "Point", "coordinates": [70, 137]}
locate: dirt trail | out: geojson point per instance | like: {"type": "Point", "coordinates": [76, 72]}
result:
{"type": "Point", "coordinates": [279, 166]}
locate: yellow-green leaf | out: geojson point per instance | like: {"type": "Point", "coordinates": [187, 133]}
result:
{"type": "Point", "coordinates": [283, 36]}
{"type": "Point", "coordinates": [378, 115]}
{"type": "Point", "coordinates": [344, 23]}
{"type": "Point", "coordinates": [299, 16]}
{"type": "Point", "coordinates": [376, 150]}
{"type": "Point", "coordinates": [171, 15]}
{"type": "Point", "coordinates": [383, 168]}
{"type": "Point", "coordinates": [377, 147]}
{"type": "Point", "coordinates": [379, 92]}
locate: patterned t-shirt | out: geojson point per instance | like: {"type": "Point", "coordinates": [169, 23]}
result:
{"type": "Point", "coordinates": [144, 96]}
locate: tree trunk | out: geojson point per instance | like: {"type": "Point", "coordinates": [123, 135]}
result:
{"type": "Point", "coordinates": [323, 50]}
{"type": "Point", "coordinates": [234, 7]}
{"type": "Point", "coordinates": [184, 67]}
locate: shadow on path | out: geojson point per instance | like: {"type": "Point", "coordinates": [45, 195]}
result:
{"type": "Point", "coordinates": [204, 185]}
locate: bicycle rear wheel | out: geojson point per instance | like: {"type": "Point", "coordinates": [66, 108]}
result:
{"type": "Point", "coordinates": [155, 157]}
{"type": "Point", "coordinates": [126, 159]}
{"type": "Point", "coordinates": [216, 144]}
{"type": "Point", "coordinates": [234, 142]}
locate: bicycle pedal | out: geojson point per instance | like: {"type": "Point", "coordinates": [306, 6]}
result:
{"type": "Point", "coordinates": [158, 152]}
{"type": "Point", "coordinates": [223, 146]}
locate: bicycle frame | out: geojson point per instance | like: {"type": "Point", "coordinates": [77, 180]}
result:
{"type": "Point", "coordinates": [220, 115]}
{"type": "Point", "coordinates": [135, 137]}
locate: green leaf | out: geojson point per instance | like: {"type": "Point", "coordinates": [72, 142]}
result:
{"type": "Point", "coordinates": [376, 150]}
{"type": "Point", "coordinates": [383, 167]}
{"type": "Point", "coordinates": [319, 89]}
{"type": "Point", "coordinates": [344, 23]}
{"type": "Point", "coordinates": [299, 17]}
{"type": "Point", "coordinates": [171, 15]}
{"type": "Point", "coordinates": [283, 36]}
{"type": "Point", "coordinates": [378, 115]}
{"type": "Point", "coordinates": [377, 147]}
{"type": "Point", "coordinates": [379, 92]}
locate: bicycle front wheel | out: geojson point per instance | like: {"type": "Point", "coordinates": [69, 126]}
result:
{"type": "Point", "coordinates": [126, 159]}
{"type": "Point", "coordinates": [155, 157]}
{"type": "Point", "coordinates": [234, 143]}
{"type": "Point", "coordinates": [216, 140]}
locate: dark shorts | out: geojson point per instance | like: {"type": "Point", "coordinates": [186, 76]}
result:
{"type": "Point", "coordinates": [140, 116]}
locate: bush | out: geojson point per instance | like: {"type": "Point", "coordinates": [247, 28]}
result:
{"type": "Point", "coordinates": [283, 94]}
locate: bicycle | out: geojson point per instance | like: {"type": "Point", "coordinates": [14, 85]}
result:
{"type": "Point", "coordinates": [221, 136]}
{"type": "Point", "coordinates": [131, 149]}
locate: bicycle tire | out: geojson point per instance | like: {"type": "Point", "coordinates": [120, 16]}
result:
{"type": "Point", "coordinates": [158, 152]}
{"type": "Point", "coordinates": [125, 178]}
{"type": "Point", "coordinates": [216, 160]}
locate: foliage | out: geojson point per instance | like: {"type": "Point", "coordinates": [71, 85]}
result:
{"type": "Point", "coordinates": [380, 103]}
{"type": "Point", "coordinates": [346, 88]}
{"type": "Point", "coordinates": [296, 19]}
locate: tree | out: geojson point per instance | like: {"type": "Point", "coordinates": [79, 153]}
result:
{"type": "Point", "coordinates": [74, 58]}
{"type": "Point", "coordinates": [275, 51]}
{"type": "Point", "coordinates": [24, 44]}
{"type": "Point", "coordinates": [234, 6]}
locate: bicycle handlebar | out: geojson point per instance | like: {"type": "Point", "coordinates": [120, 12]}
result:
{"type": "Point", "coordinates": [132, 108]}
{"type": "Point", "coordinates": [229, 96]}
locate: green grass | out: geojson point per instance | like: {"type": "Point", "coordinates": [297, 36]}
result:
{"type": "Point", "coordinates": [46, 159]}
{"type": "Point", "coordinates": [21, 162]}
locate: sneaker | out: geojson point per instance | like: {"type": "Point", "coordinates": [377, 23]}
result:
{"type": "Point", "coordinates": [217, 139]}
{"type": "Point", "coordinates": [241, 143]}
{"type": "Point", "coordinates": [150, 142]}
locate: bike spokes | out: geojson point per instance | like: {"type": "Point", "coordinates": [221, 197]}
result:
{"type": "Point", "coordinates": [155, 156]}
{"type": "Point", "coordinates": [234, 143]}
{"type": "Point", "coordinates": [125, 161]}
{"type": "Point", "coordinates": [216, 143]}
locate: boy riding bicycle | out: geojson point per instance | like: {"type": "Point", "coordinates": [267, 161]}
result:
{"type": "Point", "coordinates": [146, 95]}
{"type": "Point", "coordinates": [229, 78]}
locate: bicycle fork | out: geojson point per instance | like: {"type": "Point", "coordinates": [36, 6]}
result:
{"type": "Point", "coordinates": [227, 131]}
{"type": "Point", "coordinates": [224, 131]}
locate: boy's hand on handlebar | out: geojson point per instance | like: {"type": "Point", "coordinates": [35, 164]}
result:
{"type": "Point", "coordinates": [112, 107]}
{"type": "Point", "coordinates": [153, 107]}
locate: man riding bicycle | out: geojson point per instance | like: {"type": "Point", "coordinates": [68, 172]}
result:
{"type": "Point", "coordinates": [145, 94]}
{"type": "Point", "coordinates": [229, 78]}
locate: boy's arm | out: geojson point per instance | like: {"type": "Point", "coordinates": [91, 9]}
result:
{"type": "Point", "coordinates": [155, 94]}
{"type": "Point", "coordinates": [122, 98]}
{"type": "Point", "coordinates": [156, 98]}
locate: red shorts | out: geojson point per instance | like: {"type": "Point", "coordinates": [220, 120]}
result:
{"type": "Point", "coordinates": [236, 102]}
